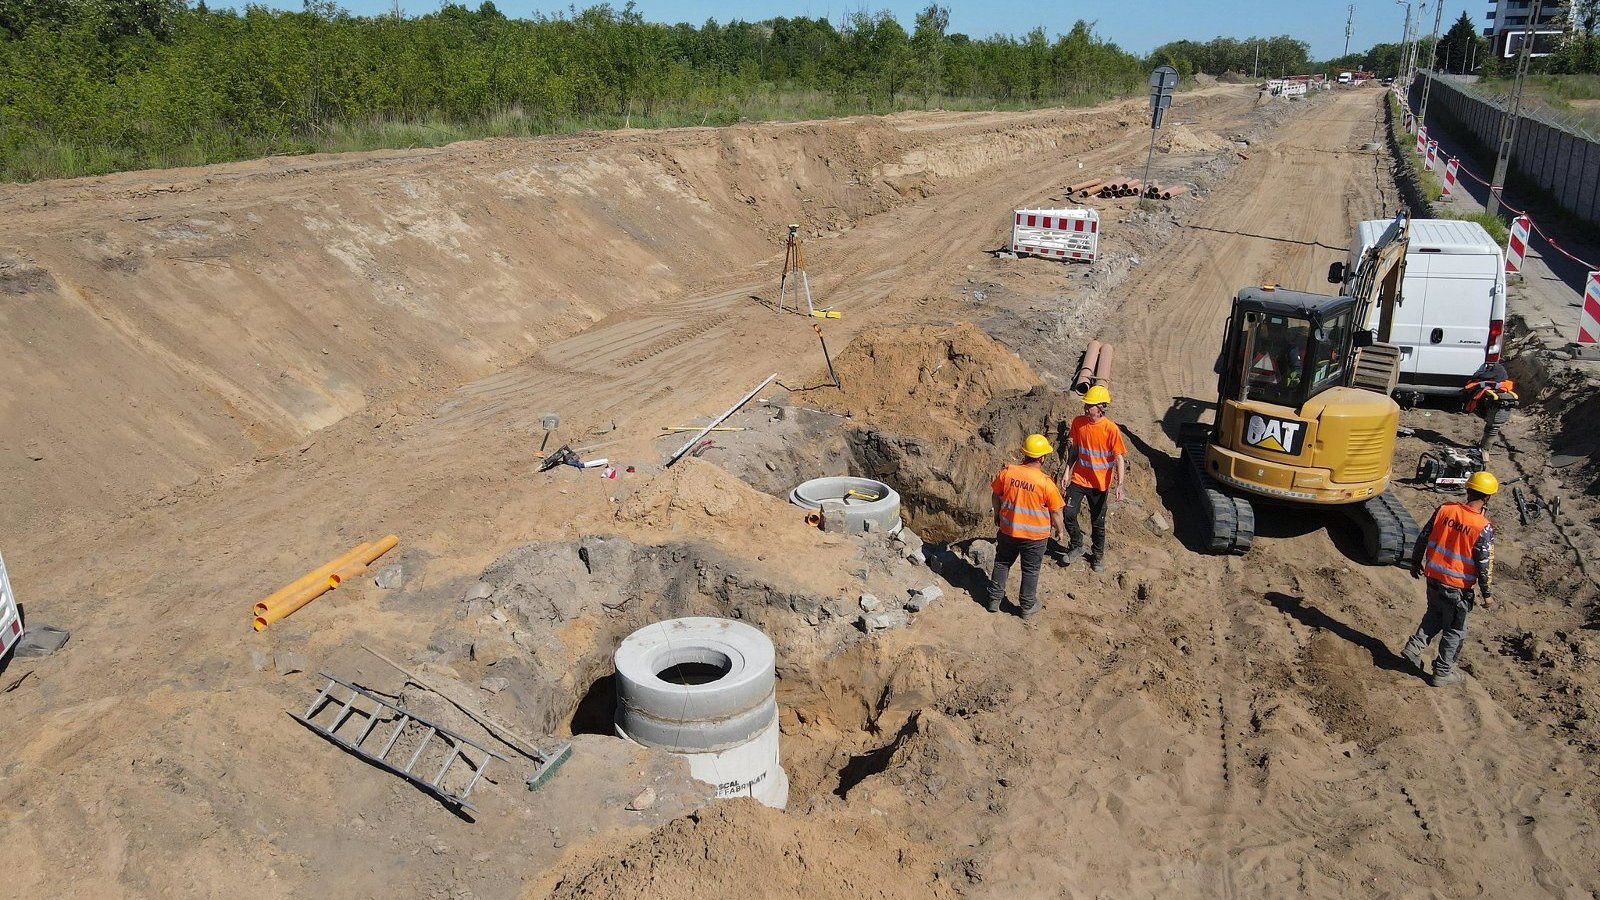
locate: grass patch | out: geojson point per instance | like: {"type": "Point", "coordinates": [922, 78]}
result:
{"type": "Point", "coordinates": [32, 154]}
{"type": "Point", "coordinates": [1493, 224]}
{"type": "Point", "coordinates": [1574, 98]}
{"type": "Point", "coordinates": [1432, 190]}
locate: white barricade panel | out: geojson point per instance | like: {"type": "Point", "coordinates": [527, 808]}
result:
{"type": "Point", "coordinates": [1056, 233]}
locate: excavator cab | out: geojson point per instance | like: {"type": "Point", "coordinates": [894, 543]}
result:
{"type": "Point", "coordinates": [1304, 413]}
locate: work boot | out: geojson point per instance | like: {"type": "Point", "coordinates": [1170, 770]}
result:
{"type": "Point", "coordinates": [993, 605]}
{"type": "Point", "coordinates": [1447, 678]}
{"type": "Point", "coordinates": [1032, 609]}
{"type": "Point", "coordinates": [1071, 556]}
{"type": "Point", "coordinates": [1099, 564]}
{"type": "Point", "coordinates": [1414, 657]}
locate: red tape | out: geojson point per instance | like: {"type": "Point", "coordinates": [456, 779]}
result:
{"type": "Point", "coordinates": [1554, 245]}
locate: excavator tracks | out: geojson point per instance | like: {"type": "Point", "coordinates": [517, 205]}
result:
{"type": "Point", "coordinates": [1389, 531]}
{"type": "Point", "coordinates": [1230, 521]}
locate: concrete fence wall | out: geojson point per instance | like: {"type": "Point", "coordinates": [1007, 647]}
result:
{"type": "Point", "coordinates": [1565, 164]}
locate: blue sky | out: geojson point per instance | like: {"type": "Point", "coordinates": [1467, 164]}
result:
{"type": "Point", "coordinates": [1138, 27]}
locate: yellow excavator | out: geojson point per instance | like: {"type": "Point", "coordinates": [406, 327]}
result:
{"type": "Point", "coordinates": [1304, 412]}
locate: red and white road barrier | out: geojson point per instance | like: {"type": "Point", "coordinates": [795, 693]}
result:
{"type": "Point", "coordinates": [1056, 233]}
{"type": "Point", "coordinates": [1433, 156]}
{"type": "Point", "coordinates": [1517, 246]}
{"type": "Point", "coordinates": [1589, 319]}
{"type": "Point", "coordinates": [1422, 138]}
{"type": "Point", "coordinates": [10, 618]}
{"type": "Point", "coordinates": [1448, 189]}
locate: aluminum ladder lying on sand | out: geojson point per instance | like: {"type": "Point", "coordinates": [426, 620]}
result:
{"type": "Point", "coordinates": [423, 745]}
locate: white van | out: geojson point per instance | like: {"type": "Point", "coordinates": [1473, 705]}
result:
{"type": "Point", "coordinates": [1347, 78]}
{"type": "Point", "coordinates": [1452, 313]}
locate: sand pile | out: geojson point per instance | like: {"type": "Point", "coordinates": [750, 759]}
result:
{"type": "Point", "coordinates": [900, 378]}
{"type": "Point", "coordinates": [1183, 139]}
{"type": "Point", "coordinates": [695, 494]}
{"type": "Point", "coordinates": [715, 853]}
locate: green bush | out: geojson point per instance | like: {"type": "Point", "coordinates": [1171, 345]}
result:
{"type": "Point", "coordinates": [91, 87]}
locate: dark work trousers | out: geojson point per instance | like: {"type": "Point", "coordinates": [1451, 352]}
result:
{"type": "Point", "coordinates": [1006, 551]}
{"type": "Point", "coordinates": [1447, 613]}
{"type": "Point", "coordinates": [1076, 496]}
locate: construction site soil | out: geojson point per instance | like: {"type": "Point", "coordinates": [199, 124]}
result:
{"type": "Point", "coordinates": [222, 377]}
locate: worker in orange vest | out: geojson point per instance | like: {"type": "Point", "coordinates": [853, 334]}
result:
{"type": "Point", "coordinates": [1097, 462]}
{"type": "Point", "coordinates": [1027, 510]}
{"type": "Point", "coordinates": [1456, 553]}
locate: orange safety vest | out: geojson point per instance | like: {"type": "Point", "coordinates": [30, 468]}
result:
{"type": "Point", "coordinates": [1505, 390]}
{"type": "Point", "coordinates": [1097, 445]}
{"type": "Point", "coordinates": [1448, 559]}
{"type": "Point", "coordinates": [1025, 497]}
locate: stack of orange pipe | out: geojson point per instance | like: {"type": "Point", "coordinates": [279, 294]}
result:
{"type": "Point", "coordinates": [286, 600]}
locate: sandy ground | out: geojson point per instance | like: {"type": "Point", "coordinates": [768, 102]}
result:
{"type": "Point", "coordinates": [233, 373]}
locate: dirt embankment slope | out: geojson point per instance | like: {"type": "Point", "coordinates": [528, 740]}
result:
{"type": "Point", "coordinates": [170, 325]}
{"type": "Point", "coordinates": [161, 735]}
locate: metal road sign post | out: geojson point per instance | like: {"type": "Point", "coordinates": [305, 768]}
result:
{"type": "Point", "coordinates": [1163, 81]}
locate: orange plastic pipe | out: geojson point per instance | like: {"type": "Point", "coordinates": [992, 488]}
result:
{"type": "Point", "coordinates": [354, 567]}
{"type": "Point", "coordinates": [349, 570]}
{"type": "Point", "coordinates": [320, 573]}
{"type": "Point", "coordinates": [350, 566]}
{"type": "Point", "coordinates": [288, 606]}
{"type": "Point", "coordinates": [384, 545]}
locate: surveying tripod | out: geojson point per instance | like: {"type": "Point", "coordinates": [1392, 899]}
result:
{"type": "Point", "coordinates": [794, 262]}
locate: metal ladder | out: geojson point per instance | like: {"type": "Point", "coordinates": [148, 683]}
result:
{"type": "Point", "coordinates": [413, 738]}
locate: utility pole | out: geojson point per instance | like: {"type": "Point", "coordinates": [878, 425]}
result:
{"type": "Point", "coordinates": [1433, 55]}
{"type": "Point", "coordinates": [1416, 39]}
{"type": "Point", "coordinates": [1508, 122]}
{"type": "Point", "coordinates": [1349, 28]}
{"type": "Point", "coordinates": [1405, 44]}
{"type": "Point", "coordinates": [1255, 68]}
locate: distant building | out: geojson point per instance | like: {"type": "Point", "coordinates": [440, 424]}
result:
{"type": "Point", "coordinates": [1508, 25]}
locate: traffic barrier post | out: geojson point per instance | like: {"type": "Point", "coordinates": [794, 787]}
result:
{"type": "Point", "coordinates": [1517, 245]}
{"type": "Point", "coordinates": [1589, 319]}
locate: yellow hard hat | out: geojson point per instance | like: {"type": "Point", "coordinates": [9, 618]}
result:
{"type": "Point", "coordinates": [1037, 445]}
{"type": "Point", "coordinates": [1097, 394]}
{"type": "Point", "coordinates": [1483, 483]}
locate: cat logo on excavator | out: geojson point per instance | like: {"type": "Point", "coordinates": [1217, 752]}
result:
{"type": "Point", "coordinates": [1271, 433]}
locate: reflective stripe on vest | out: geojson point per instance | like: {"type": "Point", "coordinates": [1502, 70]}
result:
{"type": "Point", "coordinates": [1098, 460]}
{"type": "Point", "coordinates": [1448, 559]}
{"type": "Point", "coordinates": [1023, 509]}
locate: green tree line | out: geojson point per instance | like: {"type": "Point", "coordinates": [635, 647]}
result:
{"type": "Point", "coordinates": [90, 86]}
{"type": "Point", "coordinates": [1268, 57]}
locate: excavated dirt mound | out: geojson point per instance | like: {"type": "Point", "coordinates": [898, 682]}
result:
{"type": "Point", "coordinates": [925, 378]}
{"type": "Point", "coordinates": [936, 411]}
{"type": "Point", "coordinates": [932, 411]}
{"type": "Point", "coordinates": [1183, 139]}
{"type": "Point", "coordinates": [715, 852]}
{"type": "Point", "coordinates": [694, 496]}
